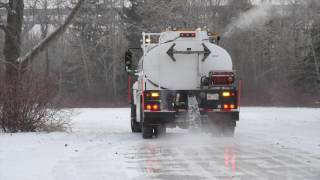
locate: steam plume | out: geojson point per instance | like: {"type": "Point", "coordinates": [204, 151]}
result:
{"type": "Point", "coordinates": [256, 16]}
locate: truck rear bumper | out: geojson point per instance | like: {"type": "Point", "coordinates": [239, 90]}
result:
{"type": "Point", "coordinates": [158, 118]}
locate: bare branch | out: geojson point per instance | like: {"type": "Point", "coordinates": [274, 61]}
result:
{"type": "Point", "coordinates": [121, 14]}
{"type": "Point", "coordinates": [7, 7]}
{"type": "Point", "coordinates": [34, 52]}
{"type": "Point", "coordinates": [4, 5]}
{"type": "Point", "coordinates": [3, 27]}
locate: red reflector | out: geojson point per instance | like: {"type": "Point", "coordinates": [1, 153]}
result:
{"type": "Point", "coordinates": [222, 78]}
{"type": "Point", "coordinates": [188, 35]}
{"type": "Point", "coordinates": [230, 79]}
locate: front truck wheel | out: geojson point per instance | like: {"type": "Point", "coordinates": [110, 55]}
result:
{"type": "Point", "coordinates": [135, 126]}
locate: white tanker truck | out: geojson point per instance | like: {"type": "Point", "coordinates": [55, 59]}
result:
{"type": "Point", "coordinates": [183, 79]}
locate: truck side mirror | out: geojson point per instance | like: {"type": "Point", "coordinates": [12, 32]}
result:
{"type": "Point", "coordinates": [128, 60]}
{"type": "Point", "coordinates": [218, 40]}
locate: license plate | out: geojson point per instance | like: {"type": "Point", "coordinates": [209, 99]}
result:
{"type": "Point", "coordinates": [212, 96]}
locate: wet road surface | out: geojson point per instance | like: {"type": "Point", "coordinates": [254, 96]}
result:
{"type": "Point", "coordinates": [185, 156]}
{"type": "Point", "coordinates": [269, 144]}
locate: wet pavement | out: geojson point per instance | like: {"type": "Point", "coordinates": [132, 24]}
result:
{"type": "Point", "coordinates": [187, 156]}
{"type": "Point", "coordinates": [269, 144]}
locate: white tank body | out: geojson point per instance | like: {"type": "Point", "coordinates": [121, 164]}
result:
{"type": "Point", "coordinates": [160, 70]}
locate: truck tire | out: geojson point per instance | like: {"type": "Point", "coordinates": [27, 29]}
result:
{"type": "Point", "coordinates": [216, 130]}
{"type": "Point", "coordinates": [147, 132]}
{"type": "Point", "coordinates": [135, 126]}
{"type": "Point", "coordinates": [228, 129]}
{"type": "Point", "coordinates": [159, 130]}
{"type": "Point", "coordinates": [163, 129]}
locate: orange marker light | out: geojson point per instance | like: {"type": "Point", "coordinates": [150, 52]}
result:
{"type": "Point", "coordinates": [232, 106]}
{"type": "Point", "coordinates": [226, 106]}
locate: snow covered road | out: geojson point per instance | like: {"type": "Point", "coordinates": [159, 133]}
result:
{"type": "Point", "coordinates": [270, 143]}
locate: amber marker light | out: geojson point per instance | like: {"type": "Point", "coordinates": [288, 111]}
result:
{"type": "Point", "coordinates": [226, 94]}
{"type": "Point", "coordinates": [155, 94]}
{"type": "Point", "coordinates": [148, 40]}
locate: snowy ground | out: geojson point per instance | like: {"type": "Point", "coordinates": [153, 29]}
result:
{"type": "Point", "coordinates": [270, 143]}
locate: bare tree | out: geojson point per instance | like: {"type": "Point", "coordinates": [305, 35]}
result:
{"type": "Point", "coordinates": [14, 86]}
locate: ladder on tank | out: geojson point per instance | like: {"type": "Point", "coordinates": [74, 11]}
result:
{"type": "Point", "coordinates": [147, 40]}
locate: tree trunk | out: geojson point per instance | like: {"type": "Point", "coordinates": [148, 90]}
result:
{"type": "Point", "coordinates": [11, 51]}
{"type": "Point", "coordinates": [314, 45]}
{"type": "Point", "coordinates": [12, 44]}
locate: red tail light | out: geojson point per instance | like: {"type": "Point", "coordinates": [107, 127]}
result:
{"type": "Point", "coordinates": [229, 106]}
{"type": "Point", "coordinates": [222, 78]}
{"type": "Point", "coordinates": [148, 107]}
{"type": "Point", "coordinates": [152, 106]}
{"type": "Point", "coordinates": [155, 107]}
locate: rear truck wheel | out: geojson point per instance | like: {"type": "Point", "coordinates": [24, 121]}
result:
{"type": "Point", "coordinates": [147, 132]}
{"type": "Point", "coordinates": [211, 127]}
{"type": "Point", "coordinates": [159, 130]}
{"type": "Point", "coordinates": [156, 131]}
{"type": "Point", "coordinates": [222, 124]}
{"type": "Point", "coordinates": [135, 126]}
{"type": "Point", "coordinates": [216, 129]}
{"type": "Point", "coordinates": [163, 129]}
{"type": "Point", "coordinates": [228, 129]}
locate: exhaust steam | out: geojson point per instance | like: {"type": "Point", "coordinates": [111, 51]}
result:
{"type": "Point", "coordinates": [194, 117]}
{"type": "Point", "coordinates": [255, 17]}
